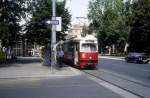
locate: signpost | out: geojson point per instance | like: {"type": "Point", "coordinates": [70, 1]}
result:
{"type": "Point", "coordinates": [53, 36]}
{"type": "Point", "coordinates": [56, 26]}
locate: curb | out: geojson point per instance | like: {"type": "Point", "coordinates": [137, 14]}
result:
{"type": "Point", "coordinates": [113, 58]}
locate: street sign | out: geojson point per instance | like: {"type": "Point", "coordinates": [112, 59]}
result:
{"type": "Point", "coordinates": [59, 26]}
{"type": "Point", "coordinates": [57, 22]}
{"type": "Point", "coordinates": [53, 22]}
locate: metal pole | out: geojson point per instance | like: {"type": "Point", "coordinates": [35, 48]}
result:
{"type": "Point", "coordinates": [53, 36]}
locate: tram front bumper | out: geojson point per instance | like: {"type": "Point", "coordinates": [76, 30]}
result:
{"type": "Point", "coordinates": [86, 63]}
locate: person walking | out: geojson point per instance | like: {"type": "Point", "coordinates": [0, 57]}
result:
{"type": "Point", "coordinates": [60, 56]}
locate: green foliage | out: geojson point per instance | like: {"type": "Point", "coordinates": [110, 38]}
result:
{"type": "Point", "coordinates": [42, 11]}
{"type": "Point", "coordinates": [11, 12]}
{"type": "Point", "coordinates": [117, 22]}
{"type": "Point", "coordinates": [109, 22]}
{"type": "Point", "coordinates": [140, 26]}
{"type": "Point", "coordinates": [2, 56]}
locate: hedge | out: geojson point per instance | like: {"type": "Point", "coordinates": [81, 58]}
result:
{"type": "Point", "coordinates": [2, 57]}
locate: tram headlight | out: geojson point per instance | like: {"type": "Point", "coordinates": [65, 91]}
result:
{"type": "Point", "coordinates": [90, 57]}
{"type": "Point", "coordinates": [83, 56]}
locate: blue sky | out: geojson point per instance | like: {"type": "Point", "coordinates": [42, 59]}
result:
{"type": "Point", "coordinates": [78, 8]}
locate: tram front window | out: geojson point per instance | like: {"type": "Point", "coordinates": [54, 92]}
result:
{"type": "Point", "coordinates": [88, 48]}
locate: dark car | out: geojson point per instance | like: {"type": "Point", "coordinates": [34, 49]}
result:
{"type": "Point", "coordinates": [137, 58]}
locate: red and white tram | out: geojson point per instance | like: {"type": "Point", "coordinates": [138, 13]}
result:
{"type": "Point", "coordinates": [81, 51]}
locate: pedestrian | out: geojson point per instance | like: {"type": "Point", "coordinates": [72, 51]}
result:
{"type": "Point", "coordinates": [60, 56]}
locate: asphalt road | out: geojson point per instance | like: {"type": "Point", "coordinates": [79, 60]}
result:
{"type": "Point", "coordinates": [139, 72]}
{"type": "Point", "coordinates": [133, 78]}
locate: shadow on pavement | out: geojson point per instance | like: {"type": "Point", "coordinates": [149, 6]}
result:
{"type": "Point", "coordinates": [21, 60]}
{"type": "Point", "coordinates": [28, 60]}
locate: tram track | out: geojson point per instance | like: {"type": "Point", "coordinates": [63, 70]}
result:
{"type": "Point", "coordinates": [125, 78]}
{"type": "Point", "coordinates": [116, 85]}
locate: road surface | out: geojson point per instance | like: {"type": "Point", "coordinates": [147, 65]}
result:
{"type": "Point", "coordinates": [134, 78]}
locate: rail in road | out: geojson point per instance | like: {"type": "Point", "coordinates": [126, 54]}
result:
{"type": "Point", "coordinates": [130, 92]}
{"type": "Point", "coordinates": [125, 78]}
{"type": "Point", "coordinates": [101, 79]}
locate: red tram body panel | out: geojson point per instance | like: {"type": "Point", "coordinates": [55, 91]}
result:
{"type": "Point", "coordinates": [88, 59]}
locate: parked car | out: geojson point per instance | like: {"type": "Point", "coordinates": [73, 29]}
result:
{"type": "Point", "coordinates": [137, 57]}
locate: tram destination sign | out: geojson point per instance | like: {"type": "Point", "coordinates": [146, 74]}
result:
{"type": "Point", "coordinates": [89, 41]}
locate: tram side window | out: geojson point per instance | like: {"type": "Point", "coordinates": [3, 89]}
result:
{"type": "Point", "coordinates": [65, 47]}
{"type": "Point", "coordinates": [77, 46]}
{"type": "Point", "coordinates": [71, 47]}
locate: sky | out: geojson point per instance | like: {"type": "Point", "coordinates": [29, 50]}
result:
{"type": "Point", "coordinates": [78, 8]}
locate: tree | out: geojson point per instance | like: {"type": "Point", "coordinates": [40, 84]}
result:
{"type": "Point", "coordinates": [140, 26]}
{"type": "Point", "coordinates": [11, 12]}
{"type": "Point", "coordinates": [41, 11]}
{"type": "Point", "coordinates": [109, 21]}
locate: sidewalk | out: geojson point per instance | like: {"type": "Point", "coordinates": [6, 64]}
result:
{"type": "Point", "coordinates": [32, 69]}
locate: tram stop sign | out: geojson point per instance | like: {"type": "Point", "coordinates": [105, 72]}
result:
{"type": "Point", "coordinates": [57, 22]}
